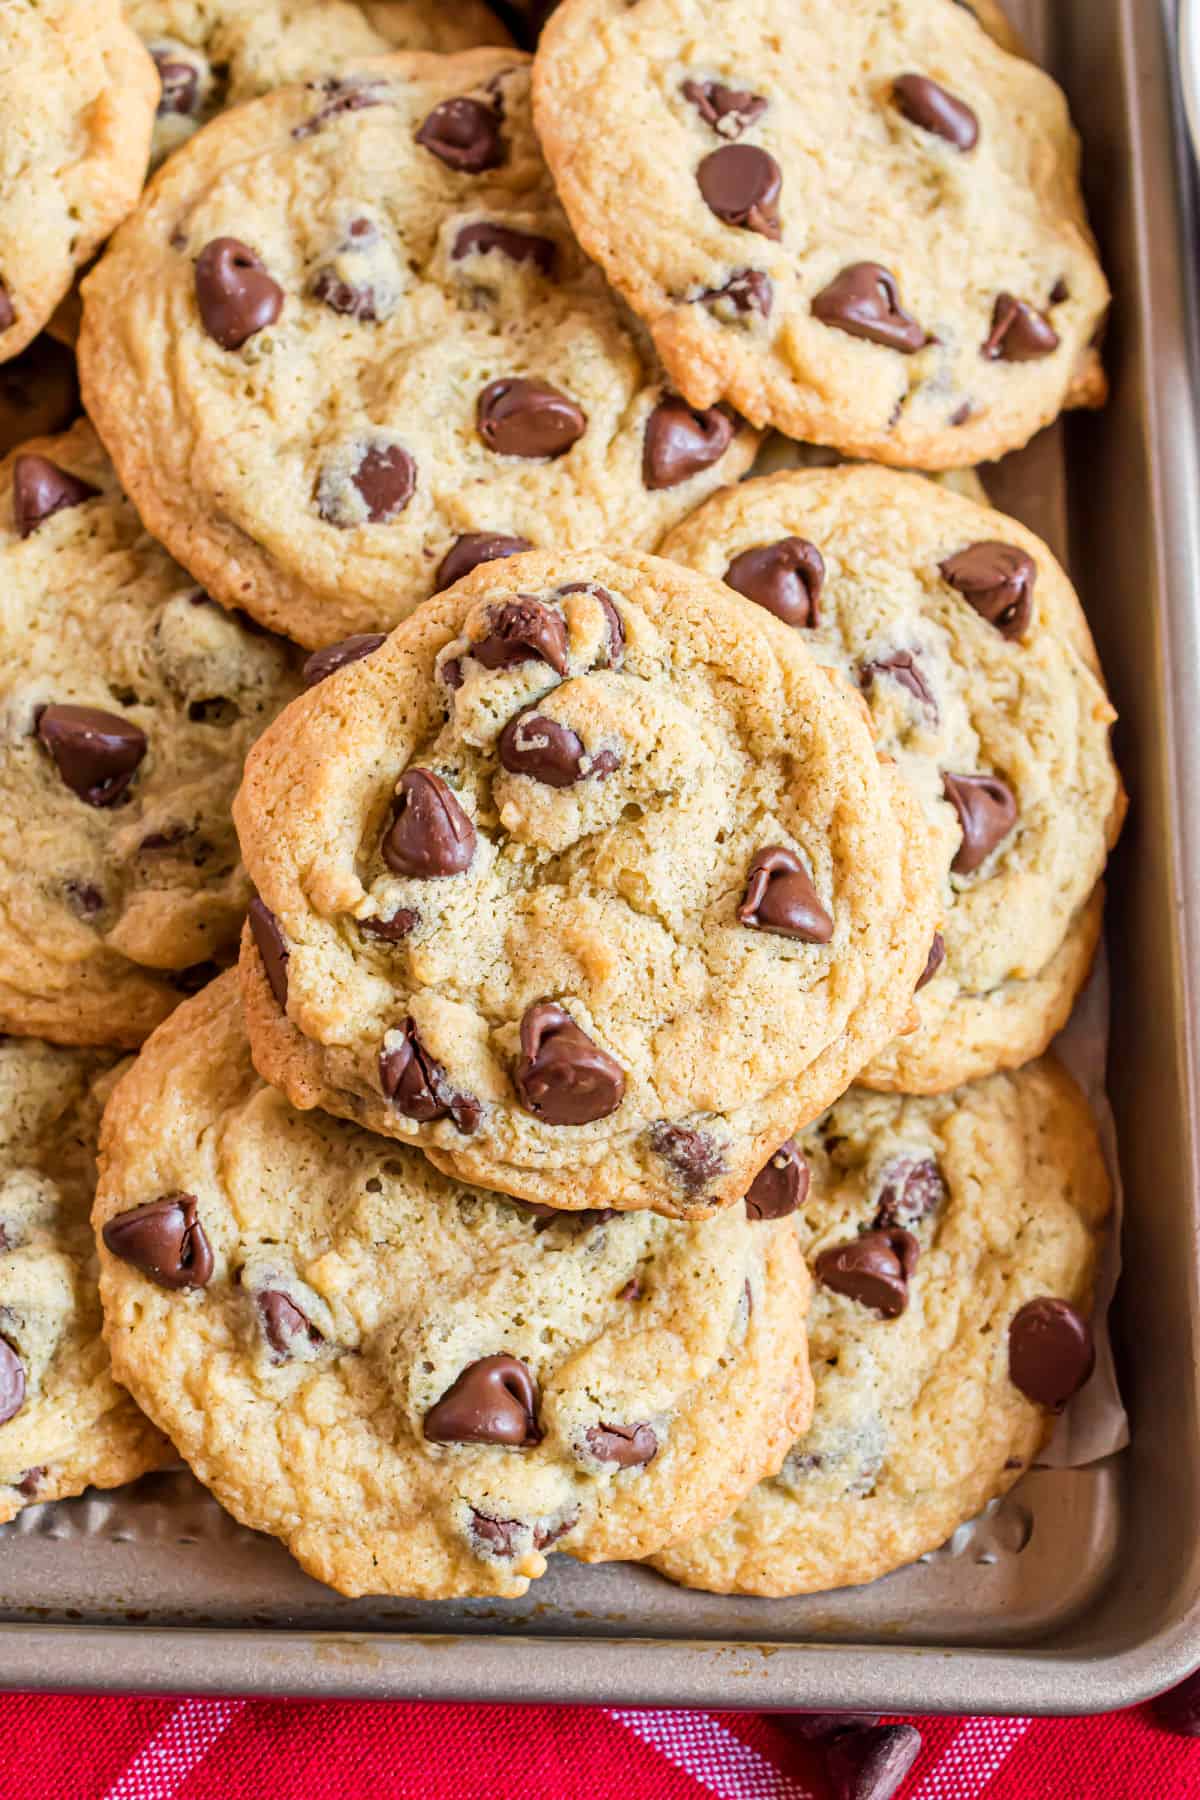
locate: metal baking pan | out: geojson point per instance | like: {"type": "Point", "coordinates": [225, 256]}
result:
{"type": "Point", "coordinates": [1081, 1590]}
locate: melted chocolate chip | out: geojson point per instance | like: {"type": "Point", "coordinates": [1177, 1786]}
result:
{"type": "Point", "coordinates": [563, 1077]}
{"type": "Point", "coordinates": [694, 1157]}
{"type": "Point", "coordinates": [493, 1401]}
{"type": "Point", "coordinates": [234, 293]}
{"type": "Point", "coordinates": [997, 580]}
{"type": "Point", "coordinates": [430, 834]}
{"type": "Point", "coordinates": [614, 655]}
{"type": "Point", "coordinates": [728, 110]}
{"type": "Point", "coordinates": [96, 753]}
{"type": "Point", "coordinates": [31, 1481]}
{"type": "Point", "coordinates": [785, 577]}
{"type": "Point", "coordinates": [741, 184]}
{"type": "Point", "coordinates": [935, 109]}
{"type": "Point", "coordinates": [748, 290]}
{"type": "Point", "coordinates": [902, 667]}
{"type": "Point", "coordinates": [1059, 292]}
{"type": "Point", "coordinates": [464, 134]}
{"type": "Point", "coordinates": [864, 301]}
{"type": "Point", "coordinates": [546, 751]}
{"type": "Point", "coordinates": [475, 547]}
{"type": "Point", "coordinates": [386, 477]}
{"type": "Point", "coordinates": [165, 1240]}
{"type": "Point", "coordinates": [680, 441]}
{"type": "Point", "coordinates": [402, 924]}
{"type": "Point", "coordinates": [180, 85]}
{"type": "Point", "coordinates": [516, 417]}
{"type": "Point", "coordinates": [12, 1382]}
{"type": "Point", "coordinates": [987, 812]}
{"type": "Point", "coordinates": [1050, 1352]}
{"type": "Point", "coordinates": [780, 898]}
{"type": "Point", "coordinates": [523, 630]}
{"type": "Point", "coordinates": [501, 1536]}
{"type": "Point", "coordinates": [283, 1322]}
{"type": "Point", "coordinates": [40, 489]}
{"type": "Point", "coordinates": [272, 946]}
{"type": "Point", "coordinates": [351, 299]}
{"type": "Point", "coordinates": [933, 962]}
{"type": "Point", "coordinates": [345, 94]}
{"type": "Point", "coordinates": [780, 1186]}
{"type": "Point", "coordinates": [628, 1446]}
{"type": "Point", "coordinates": [1019, 332]}
{"type": "Point", "coordinates": [911, 1191]}
{"type": "Point", "coordinates": [85, 898]}
{"type": "Point", "coordinates": [874, 1270]}
{"type": "Point", "coordinates": [323, 663]}
{"type": "Point", "coordinates": [417, 1085]}
{"type": "Point", "coordinates": [482, 236]}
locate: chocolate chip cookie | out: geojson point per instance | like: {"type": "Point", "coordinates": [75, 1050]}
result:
{"type": "Point", "coordinates": [127, 702]}
{"type": "Point", "coordinates": [952, 1243]}
{"type": "Point", "coordinates": [861, 224]}
{"type": "Point", "coordinates": [77, 99]}
{"type": "Point", "coordinates": [211, 54]}
{"type": "Point", "coordinates": [589, 882]}
{"type": "Point", "coordinates": [64, 1423]}
{"type": "Point", "coordinates": [422, 1388]}
{"type": "Point", "coordinates": [347, 349]}
{"type": "Point", "coordinates": [968, 643]}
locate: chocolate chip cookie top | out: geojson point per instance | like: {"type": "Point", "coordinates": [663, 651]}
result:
{"type": "Point", "coordinates": [861, 224]}
{"type": "Point", "coordinates": [418, 1386]}
{"type": "Point", "coordinates": [366, 353]}
{"type": "Point", "coordinates": [589, 881]}
{"type": "Point", "coordinates": [211, 54]}
{"type": "Point", "coordinates": [127, 702]}
{"type": "Point", "coordinates": [77, 99]}
{"type": "Point", "coordinates": [971, 649]}
{"type": "Point", "coordinates": [952, 1243]}
{"type": "Point", "coordinates": [64, 1424]}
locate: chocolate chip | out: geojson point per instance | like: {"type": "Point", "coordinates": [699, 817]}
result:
{"type": "Point", "coordinates": [874, 1269]}
{"type": "Point", "coordinates": [864, 300]}
{"type": "Point", "coordinates": [741, 185]}
{"type": "Point", "coordinates": [1059, 292]}
{"type": "Point", "coordinates": [614, 656]}
{"type": "Point", "coordinates": [780, 1186]}
{"type": "Point", "coordinates": [386, 478]}
{"type": "Point", "coordinates": [523, 630]}
{"type": "Point", "coordinates": [516, 417]}
{"type": "Point", "coordinates": [871, 1763]}
{"type": "Point", "coordinates": [464, 134]}
{"type": "Point", "coordinates": [902, 667]}
{"type": "Point", "coordinates": [31, 1481]}
{"type": "Point", "coordinates": [997, 580]}
{"type": "Point", "coordinates": [546, 751]}
{"type": "Point", "coordinates": [961, 414]}
{"type": "Point", "coordinates": [693, 1155]}
{"type": "Point", "coordinates": [628, 1446]}
{"type": "Point", "coordinates": [562, 1076]}
{"type": "Point", "coordinates": [430, 835]}
{"type": "Point", "coordinates": [780, 897]}
{"type": "Point", "coordinates": [987, 812]}
{"type": "Point", "coordinates": [748, 290]}
{"type": "Point", "coordinates": [911, 1191]}
{"type": "Point", "coordinates": [1050, 1352]}
{"type": "Point", "coordinates": [327, 662]}
{"type": "Point", "coordinates": [482, 236]}
{"type": "Point", "coordinates": [417, 1085]}
{"type": "Point", "coordinates": [585, 1219]}
{"type": "Point", "coordinates": [681, 440]}
{"type": "Point", "coordinates": [40, 489]}
{"type": "Point", "coordinates": [12, 1382]}
{"type": "Point", "coordinates": [1179, 1709]}
{"type": "Point", "coordinates": [8, 312]}
{"type": "Point", "coordinates": [935, 109]}
{"type": "Point", "coordinates": [632, 1289]}
{"type": "Point", "coordinates": [933, 962]}
{"type": "Point", "coordinates": [1019, 332]}
{"type": "Point", "coordinates": [96, 753]}
{"type": "Point", "coordinates": [180, 85]}
{"type": "Point", "coordinates": [402, 924]}
{"type": "Point", "coordinates": [785, 577]}
{"type": "Point", "coordinates": [500, 1535]}
{"type": "Point", "coordinates": [728, 110]}
{"type": "Point", "coordinates": [86, 899]}
{"type": "Point", "coordinates": [353, 300]}
{"type": "Point", "coordinates": [272, 946]}
{"type": "Point", "coordinates": [493, 1401]}
{"type": "Point", "coordinates": [546, 1534]}
{"type": "Point", "coordinates": [165, 1240]}
{"type": "Point", "coordinates": [346, 93]}
{"type": "Point", "coordinates": [283, 1322]}
{"type": "Point", "coordinates": [235, 294]}
{"type": "Point", "coordinates": [475, 547]}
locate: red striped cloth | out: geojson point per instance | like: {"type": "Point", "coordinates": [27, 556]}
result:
{"type": "Point", "coordinates": [58, 1748]}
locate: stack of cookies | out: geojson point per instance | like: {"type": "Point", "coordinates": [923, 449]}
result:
{"type": "Point", "coordinates": [628, 1128]}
